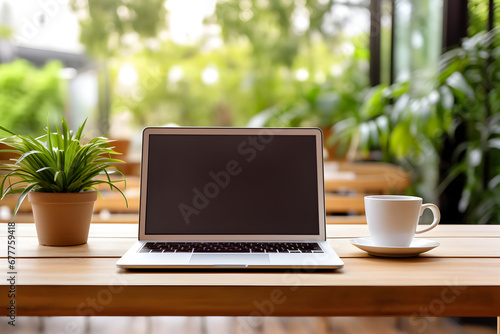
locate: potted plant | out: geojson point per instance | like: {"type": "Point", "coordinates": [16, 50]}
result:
{"type": "Point", "coordinates": [59, 174]}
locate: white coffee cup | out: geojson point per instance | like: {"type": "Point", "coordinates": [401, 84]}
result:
{"type": "Point", "coordinates": [392, 219]}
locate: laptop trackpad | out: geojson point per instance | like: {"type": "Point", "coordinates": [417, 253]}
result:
{"type": "Point", "coordinates": [229, 259]}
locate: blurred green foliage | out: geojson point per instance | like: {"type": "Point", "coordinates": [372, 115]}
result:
{"type": "Point", "coordinates": [5, 32]}
{"type": "Point", "coordinates": [268, 27]}
{"type": "Point", "coordinates": [28, 94]}
{"type": "Point", "coordinates": [478, 15]}
{"type": "Point", "coordinates": [262, 61]}
{"type": "Point", "coordinates": [408, 118]}
{"type": "Point", "coordinates": [320, 104]}
{"type": "Point", "coordinates": [103, 23]}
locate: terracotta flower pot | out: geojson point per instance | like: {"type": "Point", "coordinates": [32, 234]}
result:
{"type": "Point", "coordinates": [62, 219]}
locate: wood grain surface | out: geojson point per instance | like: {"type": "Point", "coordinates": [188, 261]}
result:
{"type": "Point", "coordinates": [461, 277]}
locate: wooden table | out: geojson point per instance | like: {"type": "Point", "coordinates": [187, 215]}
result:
{"type": "Point", "coordinates": [459, 278]}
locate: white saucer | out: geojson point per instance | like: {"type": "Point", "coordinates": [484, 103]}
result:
{"type": "Point", "coordinates": [417, 246]}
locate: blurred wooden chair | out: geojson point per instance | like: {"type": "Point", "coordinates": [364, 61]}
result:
{"type": "Point", "coordinates": [346, 185]}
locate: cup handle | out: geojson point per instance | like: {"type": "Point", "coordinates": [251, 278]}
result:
{"type": "Point", "coordinates": [435, 212]}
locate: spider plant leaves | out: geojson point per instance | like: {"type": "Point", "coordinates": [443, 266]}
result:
{"type": "Point", "coordinates": [23, 195]}
{"type": "Point", "coordinates": [58, 162]}
{"type": "Point", "coordinates": [21, 158]}
{"type": "Point", "coordinates": [11, 190]}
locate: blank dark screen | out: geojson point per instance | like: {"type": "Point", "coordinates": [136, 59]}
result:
{"type": "Point", "coordinates": [232, 184]}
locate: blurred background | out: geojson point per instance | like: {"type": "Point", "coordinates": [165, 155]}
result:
{"type": "Point", "coordinates": [412, 83]}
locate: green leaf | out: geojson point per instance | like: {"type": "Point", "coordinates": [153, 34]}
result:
{"type": "Point", "coordinates": [7, 130]}
{"type": "Point", "coordinates": [374, 103]}
{"type": "Point", "coordinates": [401, 140]}
{"type": "Point", "coordinates": [399, 109]}
{"type": "Point", "coordinates": [457, 82]}
{"type": "Point", "coordinates": [22, 157]}
{"type": "Point", "coordinates": [44, 168]}
{"type": "Point", "coordinates": [65, 132]}
{"type": "Point", "coordinates": [78, 135]}
{"type": "Point", "coordinates": [23, 195]}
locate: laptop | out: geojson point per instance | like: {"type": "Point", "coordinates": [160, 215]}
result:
{"type": "Point", "coordinates": [231, 198]}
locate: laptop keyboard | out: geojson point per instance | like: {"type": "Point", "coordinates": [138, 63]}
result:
{"type": "Point", "coordinates": [230, 247]}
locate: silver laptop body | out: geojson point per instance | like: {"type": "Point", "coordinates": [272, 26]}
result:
{"type": "Point", "coordinates": [231, 198]}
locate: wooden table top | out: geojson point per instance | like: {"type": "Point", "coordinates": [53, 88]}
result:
{"type": "Point", "coordinates": [461, 277]}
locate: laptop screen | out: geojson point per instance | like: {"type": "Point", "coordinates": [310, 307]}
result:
{"type": "Point", "coordinates": [232, 185]}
